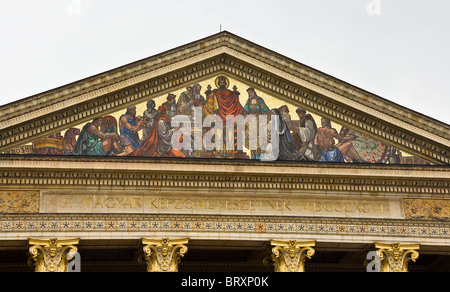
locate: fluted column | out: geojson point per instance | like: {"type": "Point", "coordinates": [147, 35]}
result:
{"type": "Point", "coordinates": [395, 257]}
{"type": "Point", "coordinates": [164, 255]}
{"type": "Point", "coordinates": [51, 255]}
{"type": "Point", "coordinates": [290, 256]}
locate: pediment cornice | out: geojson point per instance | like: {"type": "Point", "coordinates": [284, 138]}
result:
{"type": "Point", "coordinates": [224, 53]}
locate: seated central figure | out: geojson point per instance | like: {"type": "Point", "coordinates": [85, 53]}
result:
{"type": "Point", "coordinates": [223, 102]}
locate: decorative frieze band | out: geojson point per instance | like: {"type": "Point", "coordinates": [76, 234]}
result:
{"type": "Point", "coordinates": [224, 226]}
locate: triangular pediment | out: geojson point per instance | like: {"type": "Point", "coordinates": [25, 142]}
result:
{"type": "Point", "coordinates": [376, 130]}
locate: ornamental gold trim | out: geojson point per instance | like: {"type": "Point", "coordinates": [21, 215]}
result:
{"type": "Point", "coordinates": [290, 256]}
{"type": "Point", "coordinates": [51, 255]}
{"type": "Point", "coordinates": [164, 255]}
{"type": "Point", "coordinates": [395, 257]}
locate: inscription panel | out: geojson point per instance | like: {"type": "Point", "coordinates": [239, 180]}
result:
{"type": "Point", "coordinates": [110, 203]}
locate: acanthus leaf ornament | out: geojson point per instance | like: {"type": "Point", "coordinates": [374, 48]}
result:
{"type": "Point", "coordinates": [290, 256]}
{"type": "Point", "coordinates": [395, 257]}
{"type": "Point", "coordinates": [51, 255]}
{"type": "Point", "coordinates": [165, 254]}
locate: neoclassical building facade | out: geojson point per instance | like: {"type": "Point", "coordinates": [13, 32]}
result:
{"type": "Point", "coordinates": [91, 178]}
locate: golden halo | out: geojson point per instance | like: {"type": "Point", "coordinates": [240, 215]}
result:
{"type": "Point", "coordinates": [226, 80]}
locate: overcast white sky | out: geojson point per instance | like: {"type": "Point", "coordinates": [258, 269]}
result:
{"type": "Point", "coordinates": [398, 49]}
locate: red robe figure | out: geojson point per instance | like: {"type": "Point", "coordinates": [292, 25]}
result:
{"type": "Point", "coordinates": [159, 140]}
{"type": "Point", "coordinates": [223, 102]}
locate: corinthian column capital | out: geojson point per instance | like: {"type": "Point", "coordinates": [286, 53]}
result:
{"type": "Point", "coordinates": [395, 257]}
{"type": "Point", "coordinates": [290, 256]}
{"type": "Point", "coordinates": [164, 255]}
{"type": "Point", "coordinates": [51, 255]}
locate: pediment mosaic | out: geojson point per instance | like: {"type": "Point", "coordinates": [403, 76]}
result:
{"type": "Point", "coordinates": [149, 130]}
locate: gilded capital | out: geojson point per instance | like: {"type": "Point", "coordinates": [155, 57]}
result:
{"type": "Point", "coordinates": [165, 254]}
{"type": "Point", "coordinates": [290, 256]}
{"type": "Point", "coordinates": [51, 255]}
{"type": "Point", "coordinates": [395, 257]}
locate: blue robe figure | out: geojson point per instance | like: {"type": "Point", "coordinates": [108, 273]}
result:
{"type": "Point", "coordinates": [334, 155]}
{"type": "Point", "coordinates": [128, 136]}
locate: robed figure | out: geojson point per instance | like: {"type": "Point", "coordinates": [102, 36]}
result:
{"type": "Point", "coordinates": [287, 147]}
{"type": "Point", "coordinates": [159, 141]}
{"type": "Point", "coordinates": [255, 106]}
{"type": "Point", "coordinates": [94, 142]}
{"type": "Point", "coordinates": [223, 102]}
{"type": "Point", "coordinates": [304, 134]}
{"type": "Point", "coordinates": [184, 102]}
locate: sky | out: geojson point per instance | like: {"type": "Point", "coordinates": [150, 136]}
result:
{"type": "Point", "coordinates": [397, 49]}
